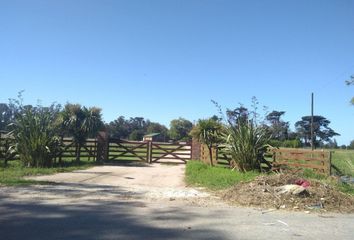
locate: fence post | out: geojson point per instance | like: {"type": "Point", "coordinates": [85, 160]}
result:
{"type": "Point", "coordinates": [149, 152]}
{"type": "Point", "coordinates": [196, 149]}
{"type": "Point", "coordinates": [102, 147]}
{"type": "Point", "coordinates": [330, 163]}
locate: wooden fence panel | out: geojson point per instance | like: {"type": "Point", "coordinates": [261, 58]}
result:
{"type": "Point", "coordinates": [166, 152]}
{"type": "Point", "coordinates": [127, 150]}
{"type": "Point", "coordinates": [292, 159]}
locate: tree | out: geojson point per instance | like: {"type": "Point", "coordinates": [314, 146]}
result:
{"type": "Point", "coordinates": [351, 82]}
{"type": "Point", "coordinates": [237, 115]}
{"type": "Point", "coordinates": [138, 127]}
{"type": "Point", "coordinates": [154, 127]}
{"type": "Point", "coordinates": [180, 129]}
{"type": "Point", "coordinates": [277, 128]}
{"type": "Point", "coordinates": [322, 132]}
{"type": "Point", "coordinates": [207, 131]}
{"type": "Point", "coordinates": [119, 128]}
{"type": "Point", "coordinates": [81, 123]}
{"type": "Point", "coordinates": [351, 145]}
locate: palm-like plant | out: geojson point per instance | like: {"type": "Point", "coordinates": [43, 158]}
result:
{"type": "Point", "coordinates": [207, 131]}
{"type": "Point", "coordinates": [245, 142]}
{"type": "Point", "coordinates": [81, 123]}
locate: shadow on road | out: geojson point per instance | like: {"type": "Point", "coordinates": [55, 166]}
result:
{"type": "Point", "coordinates": [105, 220]}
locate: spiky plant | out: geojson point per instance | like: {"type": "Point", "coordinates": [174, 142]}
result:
{"type": "Point", "coordinates": [245, 142]}
{"type": "Point", "coordinates": [35, 134]}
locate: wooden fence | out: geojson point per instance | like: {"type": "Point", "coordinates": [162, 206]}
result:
{"type": "Point", "coordinates": [68, 150]}
{"type": "Point", "coordinates": [294, 159]}
{"type": "Point", "coordinates": [219, 155]}
{"type": "Point", "coordinates": [281, 159]}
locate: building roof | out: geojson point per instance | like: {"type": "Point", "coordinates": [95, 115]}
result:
{"type": "Point", "coordinates": [151, 135]}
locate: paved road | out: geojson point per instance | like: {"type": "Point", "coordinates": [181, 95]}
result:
{"type": "Point", "coordinates": [85, 211]}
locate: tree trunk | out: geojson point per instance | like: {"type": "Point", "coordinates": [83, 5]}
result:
{"type": "Point", "coordinates": [211, 155]}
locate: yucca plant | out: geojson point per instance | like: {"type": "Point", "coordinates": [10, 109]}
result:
{"type": "Point", "coordinates": [245, 142]}
{"type": "Point", "coordinates": [35, 134]}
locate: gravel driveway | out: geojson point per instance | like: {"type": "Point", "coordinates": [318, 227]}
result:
{"type": "Point", "coordinates": [146, 202]}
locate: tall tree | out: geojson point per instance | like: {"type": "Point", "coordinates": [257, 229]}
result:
{"type": "Point", "coordinates": [138, 127]}
{"type": "Point", "coordinates": [277, 128]}
{"type": "Point", "coordinates": [119, 128]}
{"type": "Point", "coordinates": [81, 123]}
{"type": "Point", "coordinates": [180, 129]}
{"type": "Point", "coordinates": [322, 131]}
{"type": "Point", "coordinates": [237, 115]}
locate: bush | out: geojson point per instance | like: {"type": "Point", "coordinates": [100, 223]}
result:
{"type": "Point", "coordinates": [246, 143]}
{"type": "Point", "coordinates": [35, 134]}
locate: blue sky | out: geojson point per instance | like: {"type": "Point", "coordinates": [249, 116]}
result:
{"type": "Point", "coordinates": [169, 58]}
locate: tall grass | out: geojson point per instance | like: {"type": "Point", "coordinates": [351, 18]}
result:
{"type": "Point", "coordinates": [344, 161]}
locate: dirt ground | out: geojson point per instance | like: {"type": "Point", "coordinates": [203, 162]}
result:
{"type": "Point", "coordinates": [147, 202]}
{"type": "Point", "coordinates": [154, 182]}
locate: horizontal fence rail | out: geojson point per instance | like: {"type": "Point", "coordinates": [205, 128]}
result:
{"type": "Point", "coordinates": [150, 152]}
{"type": "Point", "coordinates": [170, 152]}
{"type": "Point", "coordinates": [293, 159]}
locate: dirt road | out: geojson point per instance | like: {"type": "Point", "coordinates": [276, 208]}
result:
{"type": "Point", "coordinates": [146, 202]}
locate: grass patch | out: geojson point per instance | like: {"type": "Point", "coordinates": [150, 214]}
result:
{"type": "Point", "coordinates": [14, 172]}
{"type": "Point", "coordinates": [344, 161]}
{"type": "Point", "coordinates": [214, 178]}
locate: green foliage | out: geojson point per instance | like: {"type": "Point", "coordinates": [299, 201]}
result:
{"type": "Point", "coordinates": [14, 172]}
{"type": "Point", "coordinates": [245, 142]}
{"type": "Point", "coordinates": [322, 131]}
{"type": "Point", "coordinates": [35, 132]}
{"type": "Point", "coordinates": [5, 116]}
{"type": "Point", "coordinates": [344, 161]}
{"type": "Point", "coordinates": [200, 174]}
{"type": "Point", "coordinates": [295, 143]}
{"type": "Point", "coordinates": [351, 145]}
{"type": "Point", "coordinates": [136, 128]}
{"type": "Point", "coordinates": [81, 123]}
{"type": "Point", "coordinates": [180, 129]}
{"type": "Point", "coordinates": [208, 131]}
{"type": "Point", "coordinates": [277, 128]}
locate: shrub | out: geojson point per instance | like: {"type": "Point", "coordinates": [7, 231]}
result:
{"type": "Point", "coordinates": [246, 143]}
{"type": "Point", "coordinates": [35, 133]}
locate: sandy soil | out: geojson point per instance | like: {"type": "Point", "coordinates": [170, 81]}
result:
{"type": "Point", "coordinates": [156, 182]}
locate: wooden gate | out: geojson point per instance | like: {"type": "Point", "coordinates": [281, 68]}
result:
{"type": "Point", "coordinates": [127, 150]}
{"type": "Point", "coordinates": [149, 152]}
{"type": "Point", "coordinates": [165, 152]}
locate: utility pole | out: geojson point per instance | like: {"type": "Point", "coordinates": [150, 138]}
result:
{"type": "Point", "coordinates": [312, 131]}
